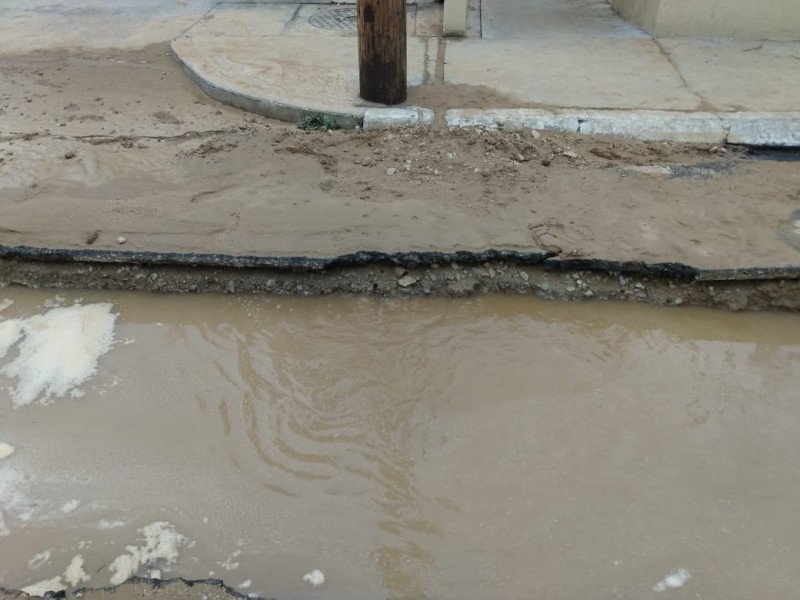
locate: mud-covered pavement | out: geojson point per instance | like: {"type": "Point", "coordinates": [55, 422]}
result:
{"type": "Point", "coordinates": [115, 150]}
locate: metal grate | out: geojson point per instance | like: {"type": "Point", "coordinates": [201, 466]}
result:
{"type": "Point", "coordinates": [343, 19]}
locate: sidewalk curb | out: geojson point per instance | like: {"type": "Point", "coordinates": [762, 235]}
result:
{"type": "Point", "coordinates": [385, 118]}
{"type": "Point", "coordinates": [749, 128]}
{"type": "Point", "coordinates": [227, 94]}
{"type": "Point", "coordinates": [777, 129]}
{"type": "Point", "coordinates": [648, 125]}
{"type": "Point", "coordinates": [762, 129]}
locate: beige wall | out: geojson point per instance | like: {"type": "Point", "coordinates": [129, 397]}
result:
{"type": "Point", "coordinates": [770, 19]}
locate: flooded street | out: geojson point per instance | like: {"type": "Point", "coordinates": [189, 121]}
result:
{"type": "Point", "coordinates": [495, 447]}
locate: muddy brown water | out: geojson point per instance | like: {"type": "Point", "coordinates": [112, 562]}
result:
{"type": "Point", "coordinates": [500, 447]}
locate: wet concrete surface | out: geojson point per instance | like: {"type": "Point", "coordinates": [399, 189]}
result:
{"type": "Point", "coordinates": [410, 448]}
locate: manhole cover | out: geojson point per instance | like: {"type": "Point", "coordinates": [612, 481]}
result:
{"type": "Point", "coordinates": [343, 19]}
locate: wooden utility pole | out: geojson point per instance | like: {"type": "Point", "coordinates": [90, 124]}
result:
{"type": "Point", "coordinates": [382, 50]}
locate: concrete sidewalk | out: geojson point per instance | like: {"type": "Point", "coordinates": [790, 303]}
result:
{"type": "Point", "coordinates": [571, 65]}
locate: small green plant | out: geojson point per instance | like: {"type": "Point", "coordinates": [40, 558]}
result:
{"type": "Point", "coordinates": [318, 122]}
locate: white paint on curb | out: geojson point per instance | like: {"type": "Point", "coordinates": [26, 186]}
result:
{"type": "Point", "coordinates": [385, 118]}
{"type": "Point", "coordinates": [762, 129]}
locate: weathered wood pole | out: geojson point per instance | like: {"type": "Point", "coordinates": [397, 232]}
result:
{"type": "Point", "coordinates": [382, 50]}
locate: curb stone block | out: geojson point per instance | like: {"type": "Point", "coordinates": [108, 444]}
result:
{"type": "Point", "coordinates": [752, 129]}
{"type": "Point", "coordinates": [762, 129]}
{"type": "Point", "coordinates": [522, 118]}
{"type": "Point", "coordinates": [385, 118]}
{"type": "Point", "coordinates": [655, 125]}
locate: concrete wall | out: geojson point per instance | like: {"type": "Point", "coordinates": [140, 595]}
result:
{"type": "Point", "coordinates": [760, 19]}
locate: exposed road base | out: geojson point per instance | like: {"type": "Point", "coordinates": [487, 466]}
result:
{"type": "Point", "coordinates": [656, 284]}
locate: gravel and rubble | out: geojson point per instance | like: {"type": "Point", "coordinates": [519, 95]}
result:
{"type": "Point", "coordinates": [454, 279]}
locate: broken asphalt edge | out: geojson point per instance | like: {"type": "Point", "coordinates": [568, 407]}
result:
{"type": "Point", "coordinates": [155, 584]}
{"type": "Point", "coordinates": [549, 260]}
{"type": "Point", "coordinates": [747, 128]}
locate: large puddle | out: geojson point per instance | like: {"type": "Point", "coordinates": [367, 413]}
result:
{"type": "Point", "coordinates": [498, 447]}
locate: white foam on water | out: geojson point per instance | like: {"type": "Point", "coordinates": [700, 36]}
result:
{"type": "Point", "coordinates": [159, 546]}
{"type": "Point", "coordinates": [39, 559]}
{"type": "Point", "coordinates": [58, 350]}
{"type": "Point", "coordinates": [316, 578]}
{"type": "Point", "coordinates": [4, 304]}
{"type": "Point", "coordinates": [104, 524]}
{"type": "Point", "coordinates": [245, 584]}
{"type": "Point", "coordinates": [6, 450]}
{"type": "Point", "coordinates": [74, 573]}
{"type": "Point", "coordinates": [70, 506]}
{"type": "Point", "coordinates": [72, 576]}
{"type": "Point", "coordinates": [673, 580]}
{"type": "Point", "coordinates": [4, 531]}
{"type": "Point", "coordinates": [40, 588]}
{"type": "Point", "coordinates": [230, 564]}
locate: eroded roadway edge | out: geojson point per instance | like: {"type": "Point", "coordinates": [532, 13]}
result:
{"type": "Point", "coordinates": [156, 589]}
{"type": "Point", "coordinates": [414, 273]}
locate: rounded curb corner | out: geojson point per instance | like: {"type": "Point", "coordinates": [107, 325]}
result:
{"type": "Point", "coordinates": [266, 107]}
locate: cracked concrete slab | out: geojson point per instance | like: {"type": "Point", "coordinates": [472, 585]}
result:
{"type": "Point", "coordinates": [241, 20]}
{"type": "Point", "coordinates": [536, 72]}
{"type": "Point", "coordinates": [739, 75]}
